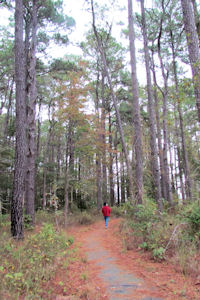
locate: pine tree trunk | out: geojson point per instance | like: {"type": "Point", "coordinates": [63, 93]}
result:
{"type": "Point", "coordinates": [165, 127]}
{"type": "Point", "coordinates": [111, 175]}
{"type": "Point", "coordinates": [119, 123]}
{"type": "Point", "coordinates": [20, 154]}
{"type": "Point", "coordinates": [193, 47]}
{"type": "Point", "coordinates": [152, 119]}
{"type": "Point", "coordinates": [98, 180]}
{"type": "Point", "coordinates": [117, 169]}
{"type": "Point", "coordinates": [66, 196]}
{"type": "Point", "coordinates": [46, 159]}
{"type": "Point", "coordinates": [160, 152]}
{"type": "Point", "coordinates": [122, 175]}
{"type": "Point", "coordinates": [103, 120]}
{"type": "Point", "coordinates": [98, 153]}
{"type": "Point", "coordinates": [136, 110]}
{"type": "Point", "coordinates": [31, 123]}
{"type": "Point", "coordinates": [171, 165]}
{"type": "Point", "coordinates": [188, 182]}
{"type": "Point", "coordinates": [67, 169]}
{"type": "Point", "coordinates": [58, 168]}
{"type": "Point", "coordinates": [178, 150]}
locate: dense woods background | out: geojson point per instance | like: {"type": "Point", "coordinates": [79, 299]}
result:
{"type": "Point", "coordinates": [78, 130]}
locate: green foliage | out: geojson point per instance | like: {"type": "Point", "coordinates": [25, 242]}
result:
{"type": "Point", "coordinates": [144, 246]}
{"type": "Point", "coordinates": [28, 222]}
{"type": "Point", "coordinates": [176, 233]}
{"type": "Point", "coordinates": [192, 215]}
{"type": "Point", "coordinates": [4, 221]}
{"type": "Point", "coordinates": [28, 265]}
{"type": "Point", "coordinates": [158, 253]}
{"type": "Point", "coordinates": [144, 216]}
{"type": "Point", "coordinates": [118, 211]}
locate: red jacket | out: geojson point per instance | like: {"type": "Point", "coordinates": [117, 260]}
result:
{"type": "Point", "coordinates": [106, 211]}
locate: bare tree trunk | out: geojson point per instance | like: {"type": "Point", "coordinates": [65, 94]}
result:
{"type": "Point", "coordinates": [112, 194]}
{"type": "Point", "coordinates": [103, 120]}
{"type": "Point", "coordinates": [180, 168]}
{"type": "Point", "coordinates": [152, 119]}
{"type": "Point", "coordinates": [98, 152]}
{"type": "Point", "coordinates": [58, 159]}
{"type": "Point", "coordinates": [67, 169]}
{"type": "Point", "coordinates": [101, 50]}
{"type": "Point", "coordinates": [165, 127]}
{"type": "Point", "coordinates": [31, 111]}
{"type": "Point", "coordinates": [122, 175]}
{"type": "Point", "coordinates": [98, 178]}
{"type": "Point", "coordinates": [160, 152]}
{"type": "Point", "coordinates": [20, 154]}
{"type": "Point", "coordinates": [66, 198]}
{"type": "Point", "coordinates": [38, 151]}
{"type": "Point", "coordinates": [117, 169]}
{"type": "Point", "coordinates": [46, 159]}
{"type": "Point", "coordinates": [46, 156]}
{"type": "Point", "coordinates": [38, 130]}
{"type": "Point", "coordinates": [193, 47]}
{"type": "Point", "coordinates": [171, 165]}
{"type": "Point", "coordinates": [136, 110]}
{"type": "Point", "coordinates": [188, 182]}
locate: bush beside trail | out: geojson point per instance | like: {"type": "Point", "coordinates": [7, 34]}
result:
{"type": "Point", "coordinates": [172, 236]}
{"type": "Point", "coordinates": [27, 265]}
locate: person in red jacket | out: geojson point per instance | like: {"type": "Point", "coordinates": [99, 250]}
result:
{"type": "Point", "coordinates": [106, 213]}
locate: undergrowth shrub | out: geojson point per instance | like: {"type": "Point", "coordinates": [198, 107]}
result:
{"type": "Point", "coordinates": [85, 218]}
{"type": "Point", "coordinates": [44, 216]}
{"type": "Point", "coordinates": [28, 264]}
{"type": "Point", "coordinates": [166, 235]}
{"type": "Point", "coordinates": [192, 215]}
{"type": "Point", "coordinates": [118, 211]}
{"type": "Point", "coordinates": [4, 221]}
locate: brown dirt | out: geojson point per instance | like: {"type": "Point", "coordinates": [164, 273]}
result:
{"type": "Point", "coordinates": [82, 279]}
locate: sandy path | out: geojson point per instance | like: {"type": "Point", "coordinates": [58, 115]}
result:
{"type": "Point", "coordinates": [121, 274]}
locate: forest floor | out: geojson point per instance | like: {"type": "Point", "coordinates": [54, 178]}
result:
{"type": "Point", "coordinates": [102, 268]}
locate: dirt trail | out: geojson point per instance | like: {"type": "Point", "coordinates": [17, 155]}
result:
{"type": "Point", "coordinates": [115, 273]}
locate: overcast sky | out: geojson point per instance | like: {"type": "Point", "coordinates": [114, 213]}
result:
{"type": "Point", "coordinates": [77, 10]}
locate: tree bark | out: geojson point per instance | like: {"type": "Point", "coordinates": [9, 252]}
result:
{"type": "Point", "coordinates": [46, 155]}
{"type": "Point", "coordinates": [67, 169]}
{"type": "Point", "coordinates": [152, 119]}
{"type": "Point", "coordinates": [160, 152]}
{"type": "Point", "coordinates": [112, 194]}
{"type": "Point", "coordinates": [165, 127]}
{"type": "Point", "coordinates": [103, 120]}
{"type": "Point", "coordinates": [136, 109]}
{"type": "Point", "coordinates": [20, 154]}
{"type": "Point", "coordinates": [31, 111]}
{"type": "Point", "coordinates": [122, 176]}
{"type": "Point", "coordinates": [98, 152]}
{"type": "Point", "coordinates": [117, 169]}
{"type": "Point", "coordinates": [178, 153]}
{"type": "Point", "coordinates": [193, 47]}
{"type": "Point", "coordinates": [188, 182]}
{"type": "Point", "coordinates": [101, 50]}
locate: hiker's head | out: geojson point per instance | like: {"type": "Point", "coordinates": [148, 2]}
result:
{"type": "Point", "coordinates": [105, 204]}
